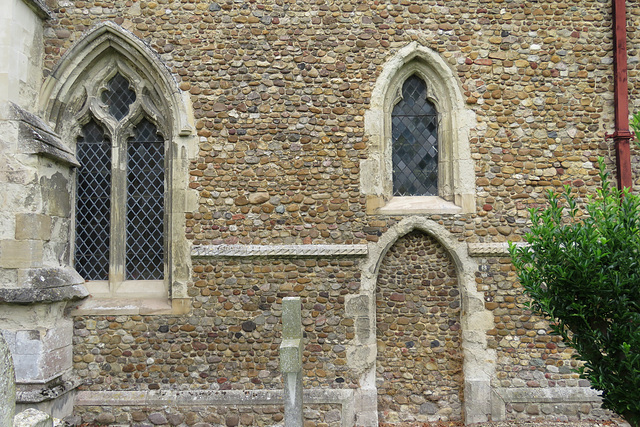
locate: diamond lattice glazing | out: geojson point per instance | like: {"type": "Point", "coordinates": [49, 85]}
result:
{"type": "Point", "coordinates": [145, 204]}
{"type": "Point", "coordinates": [93, 203]}
{"type": "Point", "coordinates": [118, 97]}
{"type": "Point", "coordinates": [415, 142]}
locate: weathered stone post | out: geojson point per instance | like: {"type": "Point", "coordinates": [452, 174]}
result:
{"type": "Point", "coordinates": [291, 361]}
{"type": "Point", "coordinates": [7, 385]}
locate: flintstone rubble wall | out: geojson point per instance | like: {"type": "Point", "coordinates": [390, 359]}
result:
{"type": "Point", "coordinates": [279, 91]}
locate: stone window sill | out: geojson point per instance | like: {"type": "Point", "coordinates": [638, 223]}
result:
{"type": "Point", "coordinates": [133, 297]}
{"type": "Point", "coordinates": [418, 205]}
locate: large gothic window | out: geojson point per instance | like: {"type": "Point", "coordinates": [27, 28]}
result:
{"type": "Point", "coordinates": [115, 103]}
{"type": "Point", "coordinates": [120, 188]}
{"type": "Point", "coordinates": [415, 142]}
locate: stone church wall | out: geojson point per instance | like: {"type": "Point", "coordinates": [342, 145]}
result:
{"type": "Point", "coordinates": [279, 91]}
{"type": "Point", "coordinates": [230, 339]}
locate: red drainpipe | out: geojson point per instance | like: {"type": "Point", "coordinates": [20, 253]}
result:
{"type": "Point", "coordinates": [621, 134]}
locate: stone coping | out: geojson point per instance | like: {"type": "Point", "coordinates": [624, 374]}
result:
{"type": "Point", "coordinates": [278, 251]}
{"type": "Point", "coordinates": [36, 393]}
{"type": "Point", "coordinates": [45, 285]}
{"type": "Point", "coordinates": [36, 137]}
{"type": "Point", "coordinates": [342, 397]}
{"type": "Point", "coordinates": [40, 8]}
{"type": "Point", "coordinates": [548, 394]}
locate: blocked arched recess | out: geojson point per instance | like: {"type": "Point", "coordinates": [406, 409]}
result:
{"type": "Point", "coordinates": [479, 360]}
{"type": "Point", "coordinates": [108, 46]}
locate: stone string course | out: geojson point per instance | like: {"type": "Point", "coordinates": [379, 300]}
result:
{"type": "Point", "coordinates": [278, 251]}
{"type": "Point", "coordinates": [279, 89]}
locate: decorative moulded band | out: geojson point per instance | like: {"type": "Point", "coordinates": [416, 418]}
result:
{"type": "Point", "coordinates": [293, 251]}
{"type": "Point", "coordinates": [490, 249]}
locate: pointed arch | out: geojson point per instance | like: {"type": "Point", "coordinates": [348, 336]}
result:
{"type": "Point", "coordinates": [479, 360]}
{"type": "Point", "coordinates": [456, 182]}
{"type": "Point", "coordinates": [111, 45]}
{"type": "Point", "coordinates": [74, 94]}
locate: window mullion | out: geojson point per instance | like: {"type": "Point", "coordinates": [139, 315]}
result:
{"type": "Point", "coordinates": [118, 210]}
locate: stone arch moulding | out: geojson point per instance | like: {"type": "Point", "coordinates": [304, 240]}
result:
{"type": "Point", "coordinates": [456, 175]}
{"type": "Point", "coordinates": [104, 50]}
{"type": "Point", "coordinates": [111, 39]}
{"type": "Point", "coordinates": [479, 360]}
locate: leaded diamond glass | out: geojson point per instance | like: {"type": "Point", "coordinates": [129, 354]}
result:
{"type": "Point", "coordinates": [118, 97]}
{"type": "Point", "coordinates": [145, 204]}
{"type": "Point", "coordinates": [415, 142]}
{"type": "Point", "coordinates": [93, 203]}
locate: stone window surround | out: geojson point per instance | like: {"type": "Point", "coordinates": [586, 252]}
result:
{"type": "Point", "coordinates": [456, 176]}
{"type": "Point", "coordinates": [103, 51]}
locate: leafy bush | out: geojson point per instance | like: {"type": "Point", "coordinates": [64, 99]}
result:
{"type": "Point", "coordinates": [583, 273]}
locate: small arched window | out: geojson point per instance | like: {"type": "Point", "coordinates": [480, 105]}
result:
{"type": "Point", "coordinates": [415, 142]}
{"type": "Point", "coordinates": [120, 189]}
{"type": "Point", "coordinates": [419, 158]}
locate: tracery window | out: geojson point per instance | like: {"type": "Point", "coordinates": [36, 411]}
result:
{"type": "Point", "coordinates": [112, 100]}
{"type": "Point", "coordinates": [415, 142]}
{"type": "Point", "coordinates": [120, 188]}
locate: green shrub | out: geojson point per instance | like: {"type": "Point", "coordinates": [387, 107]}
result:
{"type": "Point", "coordinates": [583, 273]}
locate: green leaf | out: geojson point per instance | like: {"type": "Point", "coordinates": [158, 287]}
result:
{"type": "Point", "coordinates": [581, 272]}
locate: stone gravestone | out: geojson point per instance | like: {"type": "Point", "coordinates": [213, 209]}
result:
{"type": "Point", "coordinates": [7, 385]}
{"type": "Point", "coordinates": [291, 361]}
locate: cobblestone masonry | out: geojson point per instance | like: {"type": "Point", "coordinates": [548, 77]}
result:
{"type": "Point", "coordinates": [279, 89]}
{"type": "Point", "coordinates": [527, 354]}
{"type": "Point", "coordinates": [231, 338]}
{"type": "Point", "coordinates": [210, 416]}
{"type": "Point", "coordinates": [558, 411]}
{"type": "Point", "coordinates": [419, 364]}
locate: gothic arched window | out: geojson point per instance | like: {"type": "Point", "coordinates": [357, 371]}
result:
{"type": "Point", "coordinates": [419, 154]}
{"type": "Point", "coordinates": [115, 103]}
